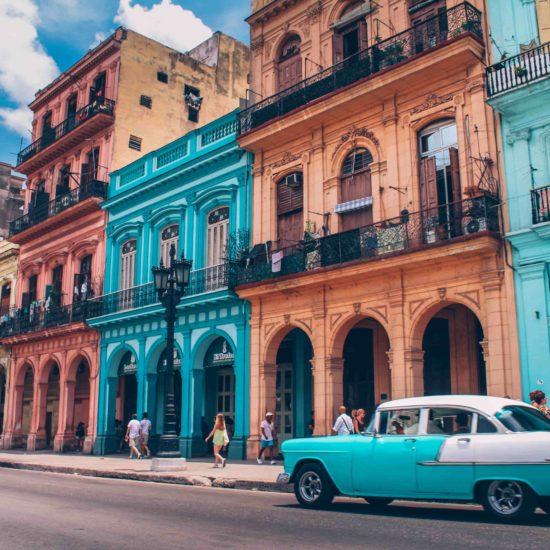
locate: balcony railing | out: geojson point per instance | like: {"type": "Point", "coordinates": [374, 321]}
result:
{"type": "Point", "coordinates": [40, 213]}
{"type": "Point", "coordinates": [409, 232]}
{"type": "Point", "coordinates": [208, 279]}
{"type": "Point", "coordinates": [540, 201]}
{"type": "Point", "coordinates": [99, 105]}
{"type": "Point", "coordinates": [519, 70]}
{"type": "Point", "coordinates": [37, 317]}
{"type": "Point", "coordinates": [459, 20]}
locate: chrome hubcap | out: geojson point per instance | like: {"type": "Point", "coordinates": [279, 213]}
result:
{"type": "Point", "coordinates": [310, 486]}
{"type": "Point", "coordinates": [506, 497]}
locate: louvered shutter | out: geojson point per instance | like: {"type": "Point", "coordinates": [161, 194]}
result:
{"type": "Point", "coordinates": [428, 184]}
{"type": "Point", "coordinates": [337, 48]}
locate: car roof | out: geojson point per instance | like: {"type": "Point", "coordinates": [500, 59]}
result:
{"type": "Point", "coordinates": [486, 404]}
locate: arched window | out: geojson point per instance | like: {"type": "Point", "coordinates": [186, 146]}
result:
{"type": "Point", "coordinates": [439, 168]}
{"type": "Point", "coordinates": [350, 32]}
{"type": "Point", "coordinates": [290, 210]}
{"type": "Point", "coordinates": [289, 63]}
{"type": "Point", "coordinates": [216, 235]}
{"type": "Point", "coordinates": [355, 206]}
{"type": "Point", "coordinates": [127, 264]}
{"type": "Point", "coordinates": [169, 236]}
{"type": "Point", "coordinates": [5, 299]}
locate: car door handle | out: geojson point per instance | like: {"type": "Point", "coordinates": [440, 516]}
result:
{"type": "Point", "coordinates": [464, 439]}
{"type": "Point", "coordinates": [410, 439]}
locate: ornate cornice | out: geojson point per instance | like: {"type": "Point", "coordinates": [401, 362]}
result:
{"type": "Point", "coordinates": [432, 100]}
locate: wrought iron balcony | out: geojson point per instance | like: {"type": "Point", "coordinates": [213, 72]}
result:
{"type": "Point", "coordinates": [41, 213]}
{"type": "Point", "coordinates": [37, 317]}
{"type": "Point", "coordinates": [100, 108]}
{"type": "Point", "coordinates": [457, 21]}
{"type": "Point", "coordinates": [540, 201]}
{"type": "Point", "coordinates": [208, 279]}
{"type": "Point", "coordinates": [410, 232]}
{"type": "Point", "coordinates": [525, 68]}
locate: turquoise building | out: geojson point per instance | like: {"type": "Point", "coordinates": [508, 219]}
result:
{"type": "Point", "coordinates": [518, 88]}
{"type": "Point", "coordinates": [195, 194]}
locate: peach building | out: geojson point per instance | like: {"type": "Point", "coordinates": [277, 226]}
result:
{"type": "Point", "coordinates": [126, 97]}
{"type": "Point", "coordinates": [378, 269]}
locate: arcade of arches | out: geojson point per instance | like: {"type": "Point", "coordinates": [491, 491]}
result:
{"type": "Point", "coordinates": [50, 395]}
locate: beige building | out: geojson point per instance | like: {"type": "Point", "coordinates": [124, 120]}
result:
{"type": "Point", "coordinates": [543, 15]}
{"type": "Point", "coordinates": [11, 196]}
{"type": "Point", "coordinates": [8, 272]}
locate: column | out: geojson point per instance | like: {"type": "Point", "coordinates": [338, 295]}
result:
{"type": "Point", "coordinates": [328, 391]}
{"type": "Point", "coordinates": [398, 344]}
{"type": "Point", "coordinates": [414, 372]}
{"type": "Point", "coordinates": [93, 408]}
{"type": "Point", "coordinates": [519, 180]}
{"type": "Point", "coordinates": [37, 433]}
{"type": "Point", "coordinates": [237, 449]}
{"type": "Point", "coordinates": [141, 379]}
{"type": "Point", "coordinates": [256, 407]}
{"type": "Point", "coordinates": [14, 421]}
{"type": "Point", "coordinates": [65, 437]}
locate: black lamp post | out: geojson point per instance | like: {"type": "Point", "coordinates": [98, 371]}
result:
{"type": "Point", "coordinates": [170, 284]}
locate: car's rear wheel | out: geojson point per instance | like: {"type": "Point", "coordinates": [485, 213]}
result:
{"type": "Point", "coordinates": [313, 487]}
{"type": "Point", "coordinates": [544, 504]}
{"type": "Point", "coordinates": [378, 501]}
{"type": "Point", "coordinates": [508, 500]}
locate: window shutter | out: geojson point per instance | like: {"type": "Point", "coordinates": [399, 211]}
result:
{"type": "Point", "coordinates": [363, 37]}
{"type": "Point", "coordinates": [84, 174]}
{"type": "Point", "coordinates": [25, 299]}
{"type": "Point", "coordinates": [455, 173]}
{"type": "Point", "coordinates": [289, 199]}
{"type": "Point", "coordinates": [337, 48]}
{"type": "Point", "coordinates": [428, 183]}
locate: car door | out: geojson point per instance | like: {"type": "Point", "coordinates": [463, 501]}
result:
{"type": "Point", "coordinates": [445, 453]}
{"type": "Point", "coordinates": [385, 464]}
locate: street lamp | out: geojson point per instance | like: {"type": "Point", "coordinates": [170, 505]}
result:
{"type": "Point", "coordinates": [170, 283]}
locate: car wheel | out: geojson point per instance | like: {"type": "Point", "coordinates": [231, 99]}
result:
{"type": "Point", "coordinates": [544, 504]}
{"type": "Point", "coordinates": [313, 487]}
{"type": "Point", "coordinates": [508, 500]}
{"type": "Point", "coordinates": [378, 501]}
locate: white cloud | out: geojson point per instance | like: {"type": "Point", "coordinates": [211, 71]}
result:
{"type": "Point", "coordinates": [166, 22]}
{"type": "Point", "coordinates": [98, 38]}
{"type": "Point", "coordinates": [24, 64]}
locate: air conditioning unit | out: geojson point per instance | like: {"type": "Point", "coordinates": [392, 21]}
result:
{"type": "Point", "coordinates": [294, 181]}
{"type": "Point", "coordinates": [472, 224]}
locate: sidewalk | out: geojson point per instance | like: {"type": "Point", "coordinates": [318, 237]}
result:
{"type": "Point", "coordinates": [236, 475]}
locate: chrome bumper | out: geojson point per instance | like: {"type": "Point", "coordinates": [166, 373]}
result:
{"type": "Point", "coordinates": [283, 478]}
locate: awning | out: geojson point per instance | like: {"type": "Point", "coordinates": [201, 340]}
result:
{"type": "Point", "coordinates": [350, 206]}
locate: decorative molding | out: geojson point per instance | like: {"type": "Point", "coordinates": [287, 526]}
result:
{"type": "Point", "coordinates": [472, 296]}
{"type": "Point", "coordinates": [432, 100]}
{"type": "Point", "coordinates": [287, 158]}
{"type": "Point", "coordinates": [382, 311]}
{"type": "Point", "coordinates": [352, 134]}
{"type": "Point", "coordinates": [518, 135]}
{"type": "Point", "coordinates": [313, 13]}
{"type": "Point", "coordinates": [357, 308]}
{"type": "Point", "coordinates": [286, 319]}
{"type": "Point", "coordinates": [334, 318]}
{"type": "Point", "coordinates": [306, 323]}
{"type": "Point", "coordinates": [257, 45]}
{"type": "Point", "coordinates": [442, 293]}
{"type": "Point", "coordinates": [414, 306]}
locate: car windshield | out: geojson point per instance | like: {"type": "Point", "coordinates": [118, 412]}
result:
{"type": "Point", "coordinates": [523, 419]}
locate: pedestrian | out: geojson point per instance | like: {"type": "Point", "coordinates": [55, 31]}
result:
{"type": "Point", "coordinates": [80, 433]}
{"type": "Point", "coordinates": [219, 439]}
{"type": "Point", "coordinates": [267, 439]}
{"type": "Point", "coordinates": [144, 439]}
{"type": "Point", "coordinates": [132, 436]}
{"type": "Point", "coordinates": [360, 422]}
{"type": "Point", "coordinates": [343, 424]}
{"type": "Point", "coordinates": [539, 401]}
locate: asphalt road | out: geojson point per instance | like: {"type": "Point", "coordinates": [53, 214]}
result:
{"type": "Point", "coordinates": [41, 510]}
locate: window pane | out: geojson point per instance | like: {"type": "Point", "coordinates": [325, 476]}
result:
{"type": "Point", "coordinates": [485, 426]}
{"type": "Point", "coordinates": [523, 419]}
{"type": "Point", "coordinates": [403, 422]}
{"type": "Point", "coordinates": [449, 421]}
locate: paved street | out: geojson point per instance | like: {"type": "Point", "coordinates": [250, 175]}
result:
{"type": "Point", "coordinates": [43, 510]}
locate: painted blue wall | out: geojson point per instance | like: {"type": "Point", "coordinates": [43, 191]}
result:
{"type": "Point", "coordinates": [178, 184]}
{"type": "Point", "coordinates": [525, 122]}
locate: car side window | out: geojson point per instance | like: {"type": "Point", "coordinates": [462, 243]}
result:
{"type": "Point", "coordinates": [400, 422]}
{"type": "Point", "coordinates": [485, 426]}
{"type": "Point", "coordinates": [449, 421]}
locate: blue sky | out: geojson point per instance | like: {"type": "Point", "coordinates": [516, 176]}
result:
{"type": "Point", "coordinates": [47, 36]}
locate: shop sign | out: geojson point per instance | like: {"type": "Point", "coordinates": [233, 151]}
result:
{"type": "Point", "coordinates": [223, 356]}
{"type": "Point", "coordinates": [163, 361]}
{"type": "Point", "coordinates": [128, 365]}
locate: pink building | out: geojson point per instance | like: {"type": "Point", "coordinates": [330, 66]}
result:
{"type": "Point", "coordinates": [128, 96]}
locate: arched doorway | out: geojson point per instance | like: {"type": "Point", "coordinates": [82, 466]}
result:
{"type": "Point", "coordinates": [26, 407]}
{"type": "Point", "coordinates": [127, 388]}
{"type": "Point", "coordinates": [219, 383]}
{"type": "Point", "coordinates": [293, 386]}
{"type": "Point", "coordinates": [52, 405]}
{"type": "Point", "coordinates": [81, 405]}
{"type": "Point", "coordinates": [289, 63]}
{"type": "Point", "coordinates": [2, 397]}
{"type": "Point", "coordinates": [161, 382]}
{"type": "Point", "coordinates": [367, 378]}
{"type": "Point", "coordinates": [453, 353]}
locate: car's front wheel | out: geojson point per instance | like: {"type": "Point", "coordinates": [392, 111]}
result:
{"type": "Point", "coordinates": [508, 500]}
{"type": "Point", "coordinates": [313, 487]}
{"type": "Point", "coordinates": [379, 501]}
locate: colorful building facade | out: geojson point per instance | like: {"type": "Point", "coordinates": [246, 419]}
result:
{"type": "Point", "coordinates": [193, 194]}
{"type": "Point", "coordinates": [518, 88]}
{"type": "Point", "coordinates": [127, 96]}
{"type": "Point", "coordinates": [377, 268]}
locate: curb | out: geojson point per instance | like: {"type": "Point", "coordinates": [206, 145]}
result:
{"type": "Point", "coordinates": [195, 480]}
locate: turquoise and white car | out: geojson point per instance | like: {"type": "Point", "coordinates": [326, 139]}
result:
{"type": "Point", "coordinates": [458, 448]}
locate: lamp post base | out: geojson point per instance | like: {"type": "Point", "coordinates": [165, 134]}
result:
{"type": "Point", "coordinates": [168, 464]}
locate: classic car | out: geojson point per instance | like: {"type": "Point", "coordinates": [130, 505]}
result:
{"type": "Point", "coordinates": [488, 450]}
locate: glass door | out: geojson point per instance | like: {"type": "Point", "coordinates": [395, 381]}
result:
{"type": "Point", "coordinates": [284, 420]}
